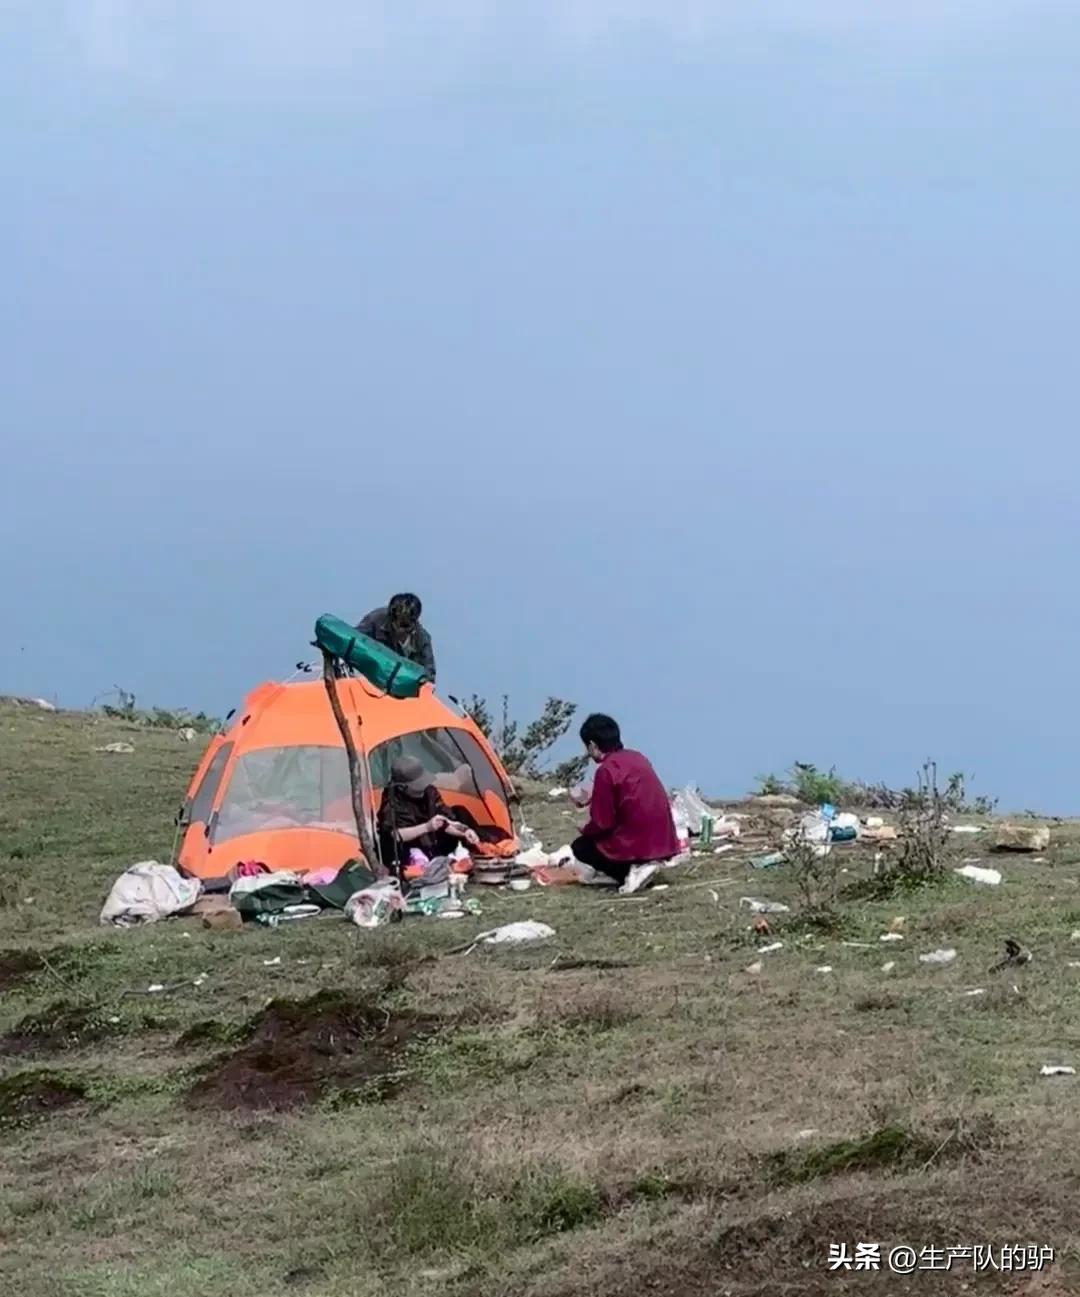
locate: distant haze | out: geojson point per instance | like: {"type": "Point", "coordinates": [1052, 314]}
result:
{"type": "Point", "coordinates": [708, 364]}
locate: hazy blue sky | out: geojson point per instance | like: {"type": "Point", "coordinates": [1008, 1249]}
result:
{"type": "Point", "coordinates": [712, 369]}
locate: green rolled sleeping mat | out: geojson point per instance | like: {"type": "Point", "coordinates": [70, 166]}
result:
{"type": "Point", "coordinates": [386, 670]}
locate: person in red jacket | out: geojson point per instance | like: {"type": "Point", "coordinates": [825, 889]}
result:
{"type": "Point", "coordinates": [630, 830]}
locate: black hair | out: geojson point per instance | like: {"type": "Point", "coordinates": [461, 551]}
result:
{"type": "Point", "coordinates": [406, 603]}
{"type": "Point", "coordinates": [602, 731]}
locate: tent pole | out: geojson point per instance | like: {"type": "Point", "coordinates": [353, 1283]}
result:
{"type": "Point", "coordinates": [356, 778]}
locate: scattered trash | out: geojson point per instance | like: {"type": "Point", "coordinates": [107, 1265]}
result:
{"type": "Point", "coordinates": [815, 829]}
{"type": "Point", "coordinates": [120, 749]}
{"type": "Point", "coordinates": [979, 990]}
{"type": "Point", "coordinates": [514, 933]}
{"type": "Point", "coordinates": [899, 923]}
{"type": "Point", "coordinates": [271, 963]}
{"type": "Point", "coordinates": [1073, 963]}
{"type": "Point", "coordinates": [966, 828]}
{"type": "Point", "coordinates": [808, 1133]}
{"type": "Point", "coordinates": [874, 822]}
{"type": "Point", "coordinates": [557, 792]}
{"type": "Point", "coordinates": [858, 945]}
{"type": "Point", "coordinates": [768, 950]}
{"type": "Point", "coordinates": [375, 905]}
{"type": "Point", "coordinates": [114, 1020]}
{"type": "Point", "coordinates": [887, 968]}
{"type": "Point", "coordinates": [755, 968]}
{"type": "Point", "coordinates": [845, 827]}
{"type": "Point", "coordinates": [154, 988]}
{"type": "Point", "coordinates": [201, 980]}
{"type": "Point", "coordinates": [690, 809]}
{"type": "Point", "coordinates": [769, 861]}
{"type": "Point", "coordinates": [186, 735]}
{"type": "Point", "coordinates": [1021, 837]}
{"type": "Point", "coordinates": [763, 907]}
{"type": "Point", "coordinates": [990, 877]}
{"type": "Point", "coordinates": [825, 968]}
{"type": "Point", "coordinates": [880, 833]}
{"type": "Point", "coordinates": [938, 957]}
{"type": "Point", "coordinates": [891, 936]}
{"type": "Point", "coordinates": [1016, 956]}
{"type": "Point", "coordinates": [1056, 1069]}
{"type": "Point", "coordinates": [724, 849]}
{"type": "Point", "coordinates": [1076, 935]}
{"type": "Point", "coordinates": [657, 887]}
{"type": "Point", "coordinates": [43, 704]}
{"type": "Point", "coordinates": [520, 884]}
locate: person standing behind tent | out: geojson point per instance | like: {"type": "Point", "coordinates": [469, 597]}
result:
{"type": "Point", "coordinates": [630, 829]}
{"type": "Point", "coordinates": [398, 627]}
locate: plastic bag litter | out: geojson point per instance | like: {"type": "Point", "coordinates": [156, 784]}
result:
{"type": "Point", "coordinates": [991, 877]}
{"type": "Point", "coordinates": [687, 804]}
{"type": "Point", "coordinates": [938, 957]}
{"type": "Point", "coordinates": [513, 933]}
{"type": "Point", "coordinates": [375, 905]}
{"type": "Point", "coordinates": [1057, 1069]}
{"type": "Point", "coordinates": [534, 858]}
{"type": "Point", "coordinates": [764, 907]}
{"type": "Point", "coordinates": [814, 828]}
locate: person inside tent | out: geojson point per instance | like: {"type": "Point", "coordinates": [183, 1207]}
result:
{"type": "Point", "coordinates": [412, 814]}
{"type": "Point", "coordinates": [398, 627]}
{"type": "Point", "coordinates": [630, 830]}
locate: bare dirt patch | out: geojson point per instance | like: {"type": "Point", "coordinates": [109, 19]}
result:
{"type": "Point", "coordinates": [17, 965]}
{"type": "Point", "coordinates": [301, 1050]}
{"type": "Point", "coordinates": [61, 1026]}
{"type": "Point", "coordinates": [29, 1096]}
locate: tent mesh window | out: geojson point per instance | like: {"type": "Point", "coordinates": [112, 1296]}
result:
{"type": "Point", "coordinates": [198, 810]}
{"type": "Point", "coordinates": [287, 787]}
{"type": "Point", "coordinates": [452, 757]}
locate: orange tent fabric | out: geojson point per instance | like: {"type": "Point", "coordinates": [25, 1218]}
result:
{"type": "Point", "coordinates": [274, 786]}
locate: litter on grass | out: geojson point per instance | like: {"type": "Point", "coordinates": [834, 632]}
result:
{"type": "Point", "coordinates": [767, 950]}
{"type": "Point", "coordinates": [755, 968]}
{"type": "Point", "coordinates": [825, 968]}
{"type": "Point", "coordinates": [891, 936]}
{"type": "Point", "coordinates": [991, 877]}
{"type": "Point", "coordinates": [515, 933]}
{"type": "Point", "coordinates": [887, 968]}
{"type": "Point", "coordinates": [938, 957]}
{"type": "Point", "coordinates": [763, 907]}
{"type": "Point", "coordinates": [1057, 1069]}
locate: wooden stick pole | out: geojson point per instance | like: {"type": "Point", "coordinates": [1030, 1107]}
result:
{"type": "Point", "coordinates": [356, 778]}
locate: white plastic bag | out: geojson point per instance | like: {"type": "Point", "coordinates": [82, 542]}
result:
{"type": "Point", "coordinates": [512, 933]}
{"type": "Point", "coordinates": [687, 805]}
{"type": "Point", "coordinates": [373, 906]}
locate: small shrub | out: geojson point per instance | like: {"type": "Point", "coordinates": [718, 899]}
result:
{"type": "Point", "coordinates": [524, 750]}
{"type": "Point", "coordinates": [816, 874]}
{"type": "Point", "coordinates": [815, 787]}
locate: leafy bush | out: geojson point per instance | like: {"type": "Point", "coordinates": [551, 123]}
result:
{"type": "Point", "coordinates": [525, 750]}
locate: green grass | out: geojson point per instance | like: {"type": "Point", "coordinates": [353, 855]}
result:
{"type": "Point", "coordinates": [624, 1109]}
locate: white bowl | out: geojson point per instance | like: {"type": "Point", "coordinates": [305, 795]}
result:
{"type": "Point", "coordinates": [520, 884]}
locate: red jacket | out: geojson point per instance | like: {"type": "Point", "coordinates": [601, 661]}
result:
{"type": "Point", "coordinates": [629, 815]}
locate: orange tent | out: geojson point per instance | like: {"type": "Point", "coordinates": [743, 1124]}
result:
{"type": "Point", "coordinates": [274, 786]}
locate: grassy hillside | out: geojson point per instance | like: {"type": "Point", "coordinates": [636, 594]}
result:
{"type": "Point", "coordinates": [625, 1110]}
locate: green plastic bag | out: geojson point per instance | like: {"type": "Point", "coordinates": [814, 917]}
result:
{"type": "Point", "coordinates": [386, 670]}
